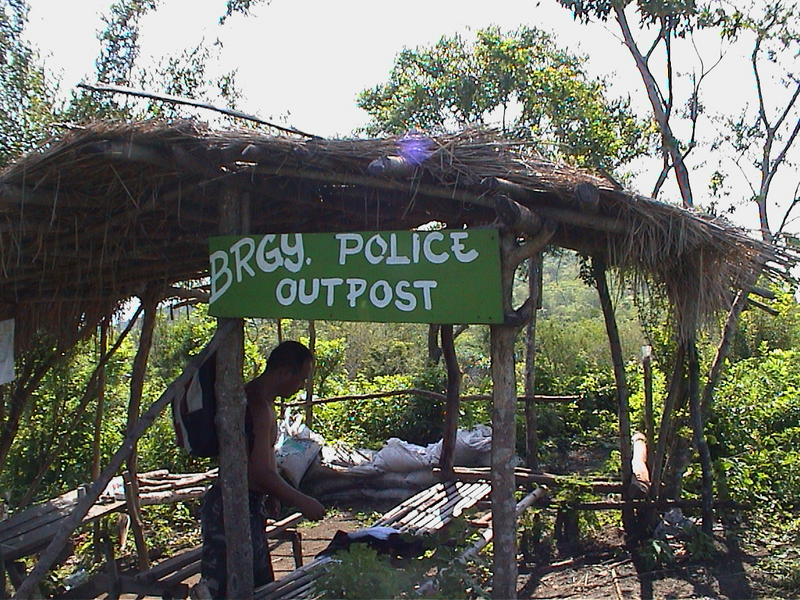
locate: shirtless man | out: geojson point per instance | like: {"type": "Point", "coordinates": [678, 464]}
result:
{"type": "Point", "coordinates": [287, 370]}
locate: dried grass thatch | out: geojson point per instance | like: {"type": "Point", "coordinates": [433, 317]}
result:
{"type": "Point", "coordinates": [112, 208]}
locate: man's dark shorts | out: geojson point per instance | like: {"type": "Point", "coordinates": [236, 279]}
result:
{"type": "Point", "coordinates": [213, 564]}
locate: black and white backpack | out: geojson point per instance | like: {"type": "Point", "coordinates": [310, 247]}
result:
{"type": "Point", "coordinates": [194, 409]}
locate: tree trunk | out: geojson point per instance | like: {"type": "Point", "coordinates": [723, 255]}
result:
{"type": "Point", "coordinates": [531, 408]}
{"type": "Point", "coordinates": [504, 563]}
{"type": "Point", "coordinates": [676, 387]}
{"type": "Point", "coordinates": [150, 302]}
{"type": "Point", "coordinates": [667, 137]}
{"type": "Point", "coordinates": [649, 424]}
{"type": "Point", "coordinates": [699, 437]}
{"type": "Point", "coordinates": [622, 387]}
{"type": "Point", "coordinates": [450, 430]}
{"type": "Point", "coordinates": [231, 402]}
{"type": "Point", "coordinates": [434, 351]}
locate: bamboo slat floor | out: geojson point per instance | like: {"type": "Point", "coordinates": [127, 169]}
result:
{"type": "Point", "coordinates": [424, 513]}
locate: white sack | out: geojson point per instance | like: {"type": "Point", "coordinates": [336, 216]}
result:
{"type": "Point", "coordinates": [399, 456]}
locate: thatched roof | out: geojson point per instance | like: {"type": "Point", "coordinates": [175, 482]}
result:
{"type": "Point", "coordinates": [92, 219]}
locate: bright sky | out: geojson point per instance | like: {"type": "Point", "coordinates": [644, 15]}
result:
{"type": "Point", "coordinates": [304, 61]}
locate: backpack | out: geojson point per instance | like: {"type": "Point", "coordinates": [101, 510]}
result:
{"type": "Point", "coordinates": [193, 411]}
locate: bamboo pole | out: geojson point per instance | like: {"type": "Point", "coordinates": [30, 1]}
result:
{"type": "Point", "coordinates": [74, 519]}
{"type": "Point", "coordinates": [599, 272]}
{"type": "Point", "coordinates": [450, 430]}
{"type": "Point", "coordinates": [230, 429]}
{"type": "Point", "coordinates": [150, 302]}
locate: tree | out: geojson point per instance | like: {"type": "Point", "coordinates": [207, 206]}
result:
{"type": "Point", "coordinates": [761, 138]}
{"type": "Point", "coordinates": [522, 80]}
{"type": "Point", "coordinates": [28, 106]}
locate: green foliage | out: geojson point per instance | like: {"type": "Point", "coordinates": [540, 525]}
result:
{"type": "Point", "coordinates": [755, 430]}
{"type": "Point", "coordinates": [362, 573]}
{"type": "Point", "coordinates": [28, 104]}
{"type": "Point", "coordinates": [678, 16]}
{"type": "Point", "coordinates": [656, 554]}
{"type": "Point", "coordinates": [456, 83]}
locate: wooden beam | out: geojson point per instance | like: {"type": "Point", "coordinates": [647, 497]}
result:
{"type": "Point", "coordinates": [531, 410]}
{"type": "Point", "coordinates": [516, 217]}
{"type": "Point", "coordinates": [588, 197]}
{"type": "Point", "coordinates": [231, 403]}
{"type": "Point", "coordinates": [766, 308]}
{"type": "Point", "coordinates": [75, 518]}
{"type": "Point", "coordinates": [504, 560]}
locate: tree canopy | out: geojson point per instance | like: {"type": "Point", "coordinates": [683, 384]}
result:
{"type": "Point", "coordinates": [521, 80]}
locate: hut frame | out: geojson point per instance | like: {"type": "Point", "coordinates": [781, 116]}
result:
{"type": "Point", "coordinates": [113, 211]}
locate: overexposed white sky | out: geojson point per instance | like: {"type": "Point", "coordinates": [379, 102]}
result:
{"type": "Point", "coordinates": [303, 62]}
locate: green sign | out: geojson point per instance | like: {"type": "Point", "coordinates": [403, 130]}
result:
{"type": "Point", "coordinates": [444, 276]}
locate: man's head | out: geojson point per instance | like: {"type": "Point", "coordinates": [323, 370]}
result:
{"type": "Point", "coordinates": [289, 366]}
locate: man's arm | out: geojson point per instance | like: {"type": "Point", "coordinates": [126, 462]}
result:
{"type": "Point", "coordinates": [262, 470]}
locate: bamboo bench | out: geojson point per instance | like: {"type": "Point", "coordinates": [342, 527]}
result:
{"type": "Point", "coordinates": [426, 512]}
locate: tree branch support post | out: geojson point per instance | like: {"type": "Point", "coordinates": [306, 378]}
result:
{"type": "Point", "coordinates": [626, 453]}
{"type": "Point", "coordinates": [531, 409]}
{"type": "Point", "coordinates": [150, 301]}
{"type": "Point", "coordinates": [309, 404]}
{"type": "Point", "coordinates": [231, 404]}
{"type": "Point", "coordinates": [517, 220]}
{"type": "Point", "coordinates": [698, 434]}
{"type": "Point", "coordinates": [449, 433]}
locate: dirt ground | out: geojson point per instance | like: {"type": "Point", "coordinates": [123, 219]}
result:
{"type": "Point", "coordinates": [611, 573]}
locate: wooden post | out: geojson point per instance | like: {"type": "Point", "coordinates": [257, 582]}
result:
{"type": "Point", "coordinates": [312, 345]}
{"type": "Point", "coordinates": [698, 434]}
{"type": "Point", "coordinates": [504, 405]}
{"type": "Point", "coordinates": [649, 425]}
{"type": "Point", "coordinates": [516, 218]}
{"type": "Point", "coordinates": [231, 402]}
{"type": "Point", "coordinates": [450, 430]}
{"type": "Point", "coordinates": [150, 302]}
{"type": "Point", "coordinates": [626, 454]}
{"type": "Point", "coordinates": [531, 408]}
